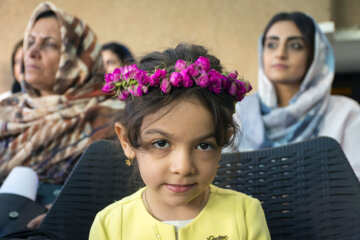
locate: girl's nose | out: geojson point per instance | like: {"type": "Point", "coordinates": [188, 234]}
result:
{"type": "Point", "coordinates": [182, 163]}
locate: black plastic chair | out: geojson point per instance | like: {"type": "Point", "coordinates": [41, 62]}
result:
{"type": "Point", "coordinates": [308, 189]}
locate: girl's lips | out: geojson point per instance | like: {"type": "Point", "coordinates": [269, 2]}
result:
{"type": "Point", "coordinates": [179, 188]}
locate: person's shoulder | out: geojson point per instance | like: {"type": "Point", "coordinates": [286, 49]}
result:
{"type": "Point", "coordinates": [229, 193]}
{"type": "Point", "coordinates": [117, 207]}
{"type": "Point", "coordinates": [342, 101]}
{"type": "Point", "coordinates": [341, 107]}
{"type": "Point", "coordinates": [248, 101]}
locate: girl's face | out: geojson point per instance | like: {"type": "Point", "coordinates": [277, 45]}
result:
{"type": "Point", "coordinates": [285, 54]}
{"type": "Point", "coordinates": [110, 60]}
{"type": "Point", "coordinates": [178, 159]}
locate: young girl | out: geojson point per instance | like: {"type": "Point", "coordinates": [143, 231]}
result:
{"type": "Point", "coordinates": [178, 117]}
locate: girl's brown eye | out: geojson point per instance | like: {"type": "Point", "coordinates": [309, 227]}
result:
{"type": "Point", "coordinates": [161, 144]}
{"type": "Point", "coordinates": [204, 146]}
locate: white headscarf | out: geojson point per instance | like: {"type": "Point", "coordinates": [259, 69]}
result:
{"type": "Point", "coordinates": [299, 120]}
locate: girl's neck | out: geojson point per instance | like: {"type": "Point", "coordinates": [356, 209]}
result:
{"type": "Point", "coordinates": [166, 212]}
{"type": "Point", "coordinates": [285, 92]}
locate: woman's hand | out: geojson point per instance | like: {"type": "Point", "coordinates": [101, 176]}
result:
{"type": "Point", "coordinates": [35, 222]}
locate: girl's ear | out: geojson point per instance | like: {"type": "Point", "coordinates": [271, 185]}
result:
{"type": "Point", "coordinates": [121, 132]}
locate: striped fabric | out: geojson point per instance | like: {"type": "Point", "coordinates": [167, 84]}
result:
{"type": "Point", "coordinates": [48, 133]}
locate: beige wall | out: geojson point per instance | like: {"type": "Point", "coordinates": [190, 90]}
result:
{"type": "Point", "coordinates": [347, 13]}
{"type": "Point", "coordinates": [228, 28]}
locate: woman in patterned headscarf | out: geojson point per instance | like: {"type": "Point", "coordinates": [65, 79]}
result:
{"type": "Point", "coordinates": [63, 109]}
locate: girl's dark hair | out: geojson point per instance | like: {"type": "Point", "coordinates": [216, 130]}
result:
{"type": "Point", "coordinates": [220, 106]}
{"type": "Point", "coordinates": [16, 87]}
{"type": "Point", "coordinates": [122, 52]}
{"type": "Point", "coordinates": [302, 21]}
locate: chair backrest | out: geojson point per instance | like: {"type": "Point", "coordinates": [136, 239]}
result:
{"type": "Point", "coordinates": [308, 189]}
{"type": "Point", "coordinates": [100, 178]}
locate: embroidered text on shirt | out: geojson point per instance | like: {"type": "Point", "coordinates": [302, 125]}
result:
{"type": "Point", "coordinates": [218, 238]}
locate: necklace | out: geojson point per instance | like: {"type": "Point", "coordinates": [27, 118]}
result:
{"type": "Point", "coordinates": [202, 202]}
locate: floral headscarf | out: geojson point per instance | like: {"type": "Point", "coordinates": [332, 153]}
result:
{"type": "Point", "coordinates": [48, 133]}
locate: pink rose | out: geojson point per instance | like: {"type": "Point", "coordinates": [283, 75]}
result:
{"type": "Point", "coordinates": [131, 90]}
{"type": "Point", "coordinates": [108, 88]}
{"type": "Point", "coordinates": [138, 90]}
{"type": "Point", "coordinates": [202, 80]}
{"type": "Point", "coordinates": [203, 63]}
{"type": "Point", "coordinates": [145, 89]}
{"type": "Point", "coordinates": [176, 79]}
{"type": "Point", "coordinates": [232, 89]}
{"type": "Point", "coordinates": [157, 77]}
{"type": "Point", "coordinates": [109, 78]}
{"type": "Point", "coordinates": [129, 72]}
{"type": "Point", "coordinates": [161, 73]}
{"type": "Point", "coordinates": [165, 85]}
{"type": "Point", "coordinates": [193, 70]}
{"type": "Point", "coordinates": [123, 95]}
{"type": "Point", "coordinates": [180, 65]}
{"type": "Point", "coordinates": [135, 90]}
{"type": "Point", "coordinates": [215, 87]}
{"type": "Point", "coordinates": [154, 80]}
{"type": "Point", "coordinates": [233, 75]}
{"type": "Point", "coordinates": [141, 77]}
{"type": "Point", "coordinates": [187, 81]}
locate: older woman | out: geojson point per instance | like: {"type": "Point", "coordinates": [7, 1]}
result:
{"type": "Point", "coordinates": [294, 102]}
{"type": "Point", "coordinates": [63, 109]}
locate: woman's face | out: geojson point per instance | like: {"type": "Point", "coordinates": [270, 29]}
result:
{"type": "Point", "coordinates": [43, 55]}
{"type": "Point", "coordinates": [110, 61]}
{"type": "Point", "coordinates": [285, 54]}
{"type": "Point", "coordinates": [178, 158]}
{"type": "Point", "coordinates": [17, 63]}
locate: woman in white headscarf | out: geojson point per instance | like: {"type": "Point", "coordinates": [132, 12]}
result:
{"type": "Point", "coordinates": [294, 102]}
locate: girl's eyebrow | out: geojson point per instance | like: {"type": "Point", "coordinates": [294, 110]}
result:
{"type": "Point", "coordinates": [168, 135]}
{"type": "Point", "coordinates": [157, 131]}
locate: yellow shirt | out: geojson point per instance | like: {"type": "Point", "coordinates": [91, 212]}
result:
{"type": "Point", "coordinates": [228, 215]}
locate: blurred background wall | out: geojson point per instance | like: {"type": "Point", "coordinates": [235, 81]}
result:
{"type": "Point", "coordinates": [228, 28]}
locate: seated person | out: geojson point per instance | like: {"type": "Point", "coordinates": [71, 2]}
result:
{"type": "Point", "coordinates": [16, 62]}
{"type": "Point", "coordinates": [293, 102]}
{"type": "Point", "coordinates": [116, 55]}
{"type": "Point", "coordinates": [62, 109]}
{"type": "Point", "coordinates": [177, 119]}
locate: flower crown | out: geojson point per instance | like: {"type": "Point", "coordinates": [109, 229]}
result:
{"type": "Point", "coordinates": [130, 80]}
